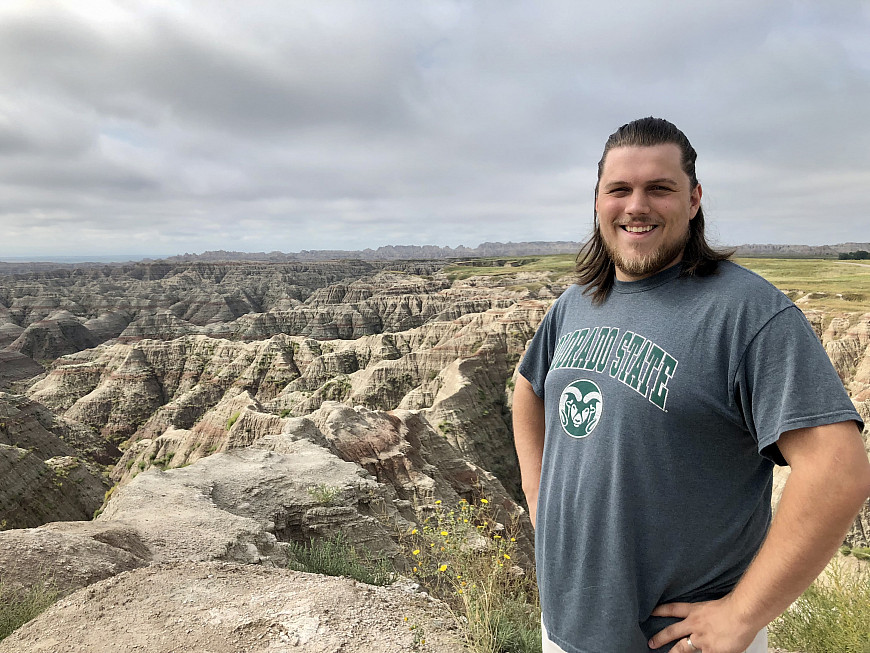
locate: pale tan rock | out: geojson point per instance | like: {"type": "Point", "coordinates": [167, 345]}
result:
{"type": "Point", "coordinates": [68, 555]}
{"type": "Point", "coordinates": [225, 608]}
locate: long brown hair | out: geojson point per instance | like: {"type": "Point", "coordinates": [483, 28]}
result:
{"type": "Point", "coordinates": [595, 269]}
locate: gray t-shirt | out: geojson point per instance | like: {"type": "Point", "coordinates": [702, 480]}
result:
{"type": "Point", "coordinates": [658, 403]}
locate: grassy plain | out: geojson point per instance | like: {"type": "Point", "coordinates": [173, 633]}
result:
{"type": "Point", "coordinates": [844, 284]}
{"type": "Point", "coordinates": [557, 265]}
{"type": "Point", "coordinates": [833, 286]}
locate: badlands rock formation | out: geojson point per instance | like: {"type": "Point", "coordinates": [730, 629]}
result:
{"type": "Point", "coordinates": [236, 409]}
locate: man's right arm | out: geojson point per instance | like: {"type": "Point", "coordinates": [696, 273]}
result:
{"type": "Point", "coordinates": [528, 409]}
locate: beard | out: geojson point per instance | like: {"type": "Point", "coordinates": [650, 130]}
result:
{"type": "Point", "coordinates": [649, 264]}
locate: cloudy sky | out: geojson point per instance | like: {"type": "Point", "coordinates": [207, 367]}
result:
{"type": "Point", "coordinates": [160, 127]}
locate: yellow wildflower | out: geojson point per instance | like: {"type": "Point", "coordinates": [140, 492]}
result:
{"type": "Point", "coordinates": [484, 501]}
{"type": "Point", "coordinates": [506, 556]}
{"type": "Point", "coordinates": [415, 552]}
{"type": "Point", "coordinates": [445, 533]}
{"type": "Point", "coordinates": [442, 568]}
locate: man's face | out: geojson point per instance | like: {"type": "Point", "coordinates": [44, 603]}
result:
{"type": "Point", "coordinates": [644, 205]}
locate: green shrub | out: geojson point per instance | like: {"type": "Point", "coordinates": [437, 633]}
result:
{"type": "Point", "coordinates": [284, 413]}
{"type": "Point", "coordinates": [337, 557]}
{"type": "Point", "coordinates": [19, 607]}
{"type": "Point", "coordinates": [325, 494]}
{"type": "Point", "coordinates": [465, 558]}
{"type": "Point", "coordinates": [232, 420]}
{"type": "Point", "coordinates": [832, 615]}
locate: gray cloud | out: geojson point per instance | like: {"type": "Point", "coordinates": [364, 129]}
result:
{"type": "Point", "coordinates": [156, 128]}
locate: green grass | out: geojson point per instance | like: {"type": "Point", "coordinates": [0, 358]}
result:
{"type": "Point", "coordinates": [337, 557]}
{"type": "Point", "coordinates": [19, 607]}
{"type": "Point", "coordinates": [325, 494]}
{"type": "Point", "coordinates": [827, 276]}
{"type": "Point", "coordinates": [557, 265]}
{"type": "Point", "coordinates": [832, 615]}
{"type": "Point", "coordinates": [818, 276]}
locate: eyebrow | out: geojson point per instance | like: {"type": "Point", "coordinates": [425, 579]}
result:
{"type": "Point", "coordinates": [660, 180]}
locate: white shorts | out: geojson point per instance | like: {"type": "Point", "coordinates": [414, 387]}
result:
{"type": "Point", "coordinates": [758, 645]}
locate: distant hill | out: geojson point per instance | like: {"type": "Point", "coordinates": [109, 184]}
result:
{"type": "Point", "coordinates": [421, 252]}
{"type": "Point", "coordinates": [539, 248]}
{"type": "Point", "coordinates": [800, 251]}
{"type": "Point", "coordinates": [391, 252]}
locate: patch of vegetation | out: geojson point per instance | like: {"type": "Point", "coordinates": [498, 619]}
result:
{"type": "Point", "coordinates": [860, 552]}
{"type": "Point", "coordinates": [19, 607]}
{"type": "Point", "coordinates": [232, 419]}
{"type": "Point", "coordinates": [163, 462]}
{"type": "Point", "coordinates": [337, 389]}
{"type": "Point", "coordinates": [859, 255]}
{"type": "Point", "coordinates": [557, 265]}
{"type": "Point", "coordinates": [832, 615]}
{"type": "Point", "coordinates": [324, 494]}
{"type": "Point", "coordinates": [464, 557]}
{"type": "Point", "coordinates": [446, 427]}
{"type": "Point", "coordinates": [285, 412]}
{"type": "Point", "coordinates": [337, 557]}
{"type": "Point", "coordinates": [532, 287]}
{"type": "Point", "coordinates": [842, 287]}
{"type": "Point", "coordinates": [106, 497]}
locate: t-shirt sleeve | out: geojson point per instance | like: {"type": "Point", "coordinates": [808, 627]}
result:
{"type": "Point", "coordinates": [539, 354]}
{"type": "Point", "coordinates": [786, 381]}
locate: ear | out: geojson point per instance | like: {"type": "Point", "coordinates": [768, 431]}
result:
{"type": "Point", "coordinates": [695, 200]}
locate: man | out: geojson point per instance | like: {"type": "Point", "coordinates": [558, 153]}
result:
{"type": "Point", "coordinates": [651, 406]}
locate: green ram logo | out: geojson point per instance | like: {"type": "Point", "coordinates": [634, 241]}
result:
{"type": "Point", "coordinates": [580, 408]}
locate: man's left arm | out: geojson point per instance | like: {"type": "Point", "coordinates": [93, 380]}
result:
{"type": "Point", "coordinates": [828, 484]}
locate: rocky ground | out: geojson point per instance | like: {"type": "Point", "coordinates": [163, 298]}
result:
{"type": "Point", "coordinates": [212, 414]}
{"type": "Point", "coordinates": [224, 608]}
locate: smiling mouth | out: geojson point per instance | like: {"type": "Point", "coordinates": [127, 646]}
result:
{"type": "Point", "coordinates": [638, 230]}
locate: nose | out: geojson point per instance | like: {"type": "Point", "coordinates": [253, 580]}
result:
{"type": "Point", "coordinates": [637, 204]}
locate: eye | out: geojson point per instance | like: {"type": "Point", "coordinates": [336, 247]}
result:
{"type": "Point", "coordinates": [619, 191]}
{"type": "Point", "coordinates": [661, 189]}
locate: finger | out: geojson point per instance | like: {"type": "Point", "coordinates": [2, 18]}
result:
{"type": "Point", "coordinates": [670, 634]}
{"type": "Point", "coordinates": [683, 646]}
{"type": "Point", "coordinates": [680, 610]}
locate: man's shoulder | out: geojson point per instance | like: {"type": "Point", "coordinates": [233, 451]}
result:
{"type": "Point", "coordinates": [741, 284]}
